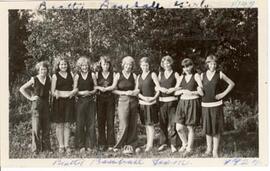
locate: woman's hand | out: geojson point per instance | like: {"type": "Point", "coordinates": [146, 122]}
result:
{"type": "Point", "coordinates": [187, 92]}
{"type": "Point", "coordinates": [85, 93]}
{"type": "Point", "coordinates": [144, 98]}
{"type": "Point", "coordinates": [106, 89]}
{"type": "Point", "coordinates": [34, 98]}
{"type": "Point", "coordinates": [220, 96]}
{"type": "Point", "coordinates": [102, 89]}
{"type": "Point", "coordinates": [170, 90]}
{"type": "Point", "coordinates": [72, 94]}
{"type": "Point", "coordinates": [93, 92]}
{"type": "Point", "coordinates": [156, 89]}
{"type": "Point", "coordinates": [128, 93]}
{"type": "Point", "coordinates": [178, 92]}
{"type": "Point", "coordinates": [56, 94]}
{"type": "Point", "coordinates": [90, 93]}
{"type": "Point", "coordinates": [163, 90]}
{"type": "Point", "coordinates": [151, 99]}
{"type": "Point", "coordinates": [178, 88]}
{"type": "Point", "coordinates": [131, 93]}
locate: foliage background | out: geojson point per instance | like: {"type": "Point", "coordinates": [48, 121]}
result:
{"type": "Point", "coordinates": [230, 34]}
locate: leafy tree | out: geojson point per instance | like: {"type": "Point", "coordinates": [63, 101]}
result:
{"type": "Point", "coordinates": [17, 51]}
{"type": "Point", "coordinates": [231, 34]}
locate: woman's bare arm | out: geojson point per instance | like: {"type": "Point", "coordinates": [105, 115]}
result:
{"type": "Point", "coordinates": [24, 87]}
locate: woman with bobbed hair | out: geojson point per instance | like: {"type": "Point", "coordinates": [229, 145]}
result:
{"type": "Point", "coordinates": [212, 104]}
{"type": "Point", "coordinates": [127, 106]}
{"type": "Point", "coordinates": [146, 83]}
{"type": "Point", "coordinates": [39, 96]}
{"type": "Point", "coordinates": [167, 102]}
{"type": "Point", "coordinates": [63, 108]}
{"type": "Point", "coordinates": [188, 111]}
{"type": "Point", "coordinates": [106, 83]}
{"type": "Point", "coordinates": [85, 82]}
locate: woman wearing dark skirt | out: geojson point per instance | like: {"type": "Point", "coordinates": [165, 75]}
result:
{"type": "Point", "coordinates": [188, 112]}
{"type": "Point", "coordinates": [106, 82]}
{"type": "Point", "coordinates": [146, 83]}
{"type": "Point", "coordinates": [212, 104]}
{"type": "Point", "coordinates": [85, 83]}
{"type": "Point", "coordinates": [127, 107]}
{"type": "Point", "coordinates": [63, 102]}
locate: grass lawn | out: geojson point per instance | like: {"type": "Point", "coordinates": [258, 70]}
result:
{"type": "Point", "coordinates": [233, 144]}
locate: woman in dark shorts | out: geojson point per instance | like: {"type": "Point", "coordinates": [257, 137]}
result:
{"type": "Point", "coordinates": [63, 102]}
{"type": "Point", "coordinates": [41, 85]}
{"type": "Point", "coordinates": [212, 104]}
{"type": "Point", "coordinates": [85, 82]}
{"type": "Point", "coordinates": [146, 83]}
{"type": "Point", "coordinates": [188, 112]}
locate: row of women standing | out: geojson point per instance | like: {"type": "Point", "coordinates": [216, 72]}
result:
{"type": "Point", "coordinates": [174, 114]}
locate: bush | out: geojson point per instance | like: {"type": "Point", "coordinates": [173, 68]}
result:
{"type": "Point", "coordinates": [240, 116]}
{"type": "Point", "coordinates": [19, 106]}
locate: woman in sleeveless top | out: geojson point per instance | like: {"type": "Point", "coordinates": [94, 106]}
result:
{"type": "Point", "coordinates": [127, 107]}
{"type": "Point", "coordinates": [41, 85]}
{"type": "Point", "coordinates": [212, 105]}
{"type": "Point", "coordinates": [106, 82]}
{"type": "Point", "coordinates": [63, 102]}
{"type": "Point", "coordinates": [188, 110]}
{"type": "Point", "coordinates": [168, 103]}
{"type": "Point", "coordinates": [146, 83]}
{"type": "Point", "coordinates": [85, 82]}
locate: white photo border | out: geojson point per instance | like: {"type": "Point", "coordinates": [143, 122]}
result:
{"type": "Point", "coordinates": [262, 160]}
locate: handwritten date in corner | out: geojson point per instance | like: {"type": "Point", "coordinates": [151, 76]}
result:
{"type": "Point", "coordinates": [241, 162]}
{"type": "Point", "coordinates": [243, 4]}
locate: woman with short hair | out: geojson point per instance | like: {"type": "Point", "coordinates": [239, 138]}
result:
{"type": "Point", "coordinates": [127, 107]}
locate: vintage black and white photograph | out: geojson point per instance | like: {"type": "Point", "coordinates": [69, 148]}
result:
{"type": "Point", "coordinates": [149, 82]}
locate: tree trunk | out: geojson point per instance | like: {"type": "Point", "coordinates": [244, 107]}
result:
{"type": "Point", "coordinates": [90, 34]}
